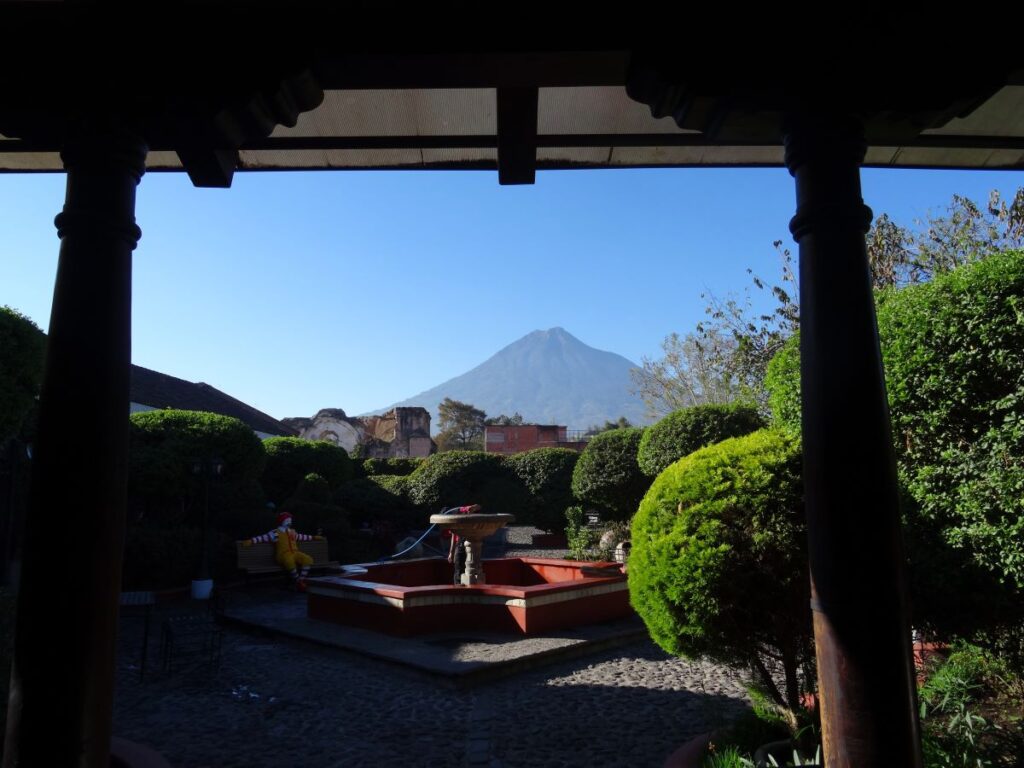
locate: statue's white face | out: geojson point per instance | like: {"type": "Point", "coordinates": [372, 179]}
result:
{"type": "Point", "coordinates": [286, 524]}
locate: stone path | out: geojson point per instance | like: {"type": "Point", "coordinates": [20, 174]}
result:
{"type": "Point", "coordinates": [278, 701]}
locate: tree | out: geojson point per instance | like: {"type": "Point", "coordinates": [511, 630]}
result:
{"type": "Point", "coordinates": [621, 423]}
{"type": "Point", "coordinates": [462, 426]}
{"type": "Point", "coordinates": [694, 371]}
{"type": "Point", "coordinates": [505, 421]}
{"type": "Point", "coordinates": [966, 233]}
{"type": "Point", "coordinates": [726, 357]}
{"type": "Point", "coordinates": [755, 337]}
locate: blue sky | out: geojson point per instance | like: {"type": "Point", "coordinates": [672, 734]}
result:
{"type": "Point", "coordinates": [301, 291]}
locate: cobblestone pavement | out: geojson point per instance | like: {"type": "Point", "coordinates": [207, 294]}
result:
{"type": "Point", "coordinates": [280, 702]}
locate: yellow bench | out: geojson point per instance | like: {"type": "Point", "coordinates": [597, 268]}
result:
{"type": "Point", "coordinates": [259, 558]}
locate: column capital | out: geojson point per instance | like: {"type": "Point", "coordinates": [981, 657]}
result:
{"type": "Point", "coordinates": [824, 151]}
{"type": "Point", "coordinates": [104, 166]}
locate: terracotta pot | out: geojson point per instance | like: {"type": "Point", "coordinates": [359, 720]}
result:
{"type": "Point", "coordinates": [691, 754]}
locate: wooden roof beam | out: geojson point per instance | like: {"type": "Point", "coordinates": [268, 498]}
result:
{"type": "Point", "coordinates": [517, 135]}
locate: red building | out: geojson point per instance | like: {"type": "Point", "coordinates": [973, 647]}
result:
{"type": "Point", "coordinates": [516, 438]}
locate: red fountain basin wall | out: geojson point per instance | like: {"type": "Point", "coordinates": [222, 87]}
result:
{"type": "Point", "coordinates": [526, 595]}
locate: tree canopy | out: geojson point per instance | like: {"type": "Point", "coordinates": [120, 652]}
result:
{"type": "Point", "coordinates": [726, 357]}
{"type": "Point", "coordinates": [461, 425]}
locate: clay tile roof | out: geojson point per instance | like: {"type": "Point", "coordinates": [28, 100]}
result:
{"type": "Point", "coordinates": [158, 390]}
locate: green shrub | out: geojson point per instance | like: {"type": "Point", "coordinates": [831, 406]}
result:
{"type": "Point", "coordinates": [157, 557]}
{"type": "Point", "coordinates": [684, 431]}
{"type": "Point", "coordinates": [382, 498]}
{"type": "Point", "coordinates": [467, 477]}
{"type": "Point", "coordinates": [970, 711]}
{"type": "Point", "coordinates": [289, 459]}
{"type": "Point", "coordinates": [313, 488]}
{"type": "Point", "coordinates": [607, 475]}
{"type": "Point", "coordinates": [394, 466]}
{"type": "Point", "coordinates": [953, 351]}
{"type": "Point", "coordinates": [546, 474]}
{"type": "Point", "coordinates": [954, 358]}
{"type": "Point", "coordinates": [22, 349]}
{"type": "Point", "coordinates": [162, 487]}
{"type": "Point", "coordinates": [719, 564]}
{"type": "Point", "coordinates": [578, 535]}
{"type": "Point", "coordinates": [782, 380]}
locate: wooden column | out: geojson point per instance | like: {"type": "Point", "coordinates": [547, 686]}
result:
{"type": "Point", "coordinates": [63, 671]}
{"type": "Point", "coordinates": [861, 626]}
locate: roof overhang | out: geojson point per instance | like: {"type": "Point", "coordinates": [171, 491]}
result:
{"type": "Point", "coordinates": [316, 99]}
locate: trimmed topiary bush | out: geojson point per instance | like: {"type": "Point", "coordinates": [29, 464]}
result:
{"type": "Point", "coordinates": [684, 431]}
{"type": "Point", "coordinates": [467, 477]}
{"type": "Point", "coordinates": [22, 349]}
{"type": "Point", "coordinates": [607, 476]}
{"type": "Point", "coordinates": [393, 466]}
{"type": "Point", "coordinates": [163, 490]}
{"type": "Point", "coordinates": [313, 512]}
{"type": "Point", "coordinates": [546, 474]}
{"type": "Point", "coordinates": [160, 557]}
{"type": "Point", "coordinates": [719, 561]}
{"type": "Point", "coordinates": [289, 459]}
{"type": "Point", "coordinates": [379, 499]}
{"type": "Point", "coordinates": [313, 488]}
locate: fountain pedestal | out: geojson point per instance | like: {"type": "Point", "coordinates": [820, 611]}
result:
{"type": "Point", "coordinates": [473, 528]}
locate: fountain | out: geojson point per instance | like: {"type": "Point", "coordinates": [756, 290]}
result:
{"type": "Point", "coordinates": [472, 529]}
{"type": "Point", "coordinates": [525, 595]}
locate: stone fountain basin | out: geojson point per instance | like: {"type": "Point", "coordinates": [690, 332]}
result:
{"type": "Point", "coordinates": [473, 526]}
{"type": "Point", "coordinates": [523, 595]}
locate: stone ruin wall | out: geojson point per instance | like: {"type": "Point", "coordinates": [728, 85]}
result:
{"type": "Point", "coordinates": [399, 433]}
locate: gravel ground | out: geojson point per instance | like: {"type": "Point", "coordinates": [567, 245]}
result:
{"type": "Point", "coordinates": [280, 702]}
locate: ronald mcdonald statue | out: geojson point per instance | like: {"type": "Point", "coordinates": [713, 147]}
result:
{"type": "Point", "coordinates": [286, 550]}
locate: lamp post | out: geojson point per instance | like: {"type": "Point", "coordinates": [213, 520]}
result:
{"type": "Point", "coordinates": [206, 470]}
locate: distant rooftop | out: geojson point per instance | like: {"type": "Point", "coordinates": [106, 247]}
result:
{"type": "Point", "coordinates": [158, 390]}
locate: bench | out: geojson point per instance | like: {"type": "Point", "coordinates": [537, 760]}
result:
{"type": "Point", "coordinates": [259, 558]}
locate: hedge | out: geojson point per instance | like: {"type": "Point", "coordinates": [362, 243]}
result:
{"type": "Point", "coordinates": [607, 475]}
{"type": "Point", "coordinates": [953, 351]}
{"type": "Point", "coordinates": [467, 477]}
{"type": "Point", "coordinates": [379, 499]}
{"type": "Point", "coordinates": [392, 466]}
{"type": "Point", "coordinates": [954, 356]}
{"type": "Point", "coordinates": [546, 474]}
{"type": "Point", "coordinates": [718, 567]}
{"type": "Point", "coordinates": [22, 349]}
{"type": "Point", "coordinates": [164, 490]}
{"type": "Point", "coordinates": [684, 431]}
{"type": "Point", "coordinates": [782, 380]}
{"type": "Point", "coordinates": [289, 459]}
{"type": "Point", "coordinates": [313, 511]}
